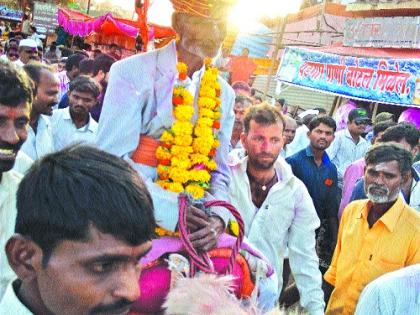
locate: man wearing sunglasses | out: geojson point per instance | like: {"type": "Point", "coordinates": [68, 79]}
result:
{"type": "Point", "coordinates": [27, 51]}
{"type": "Point", "coordinates": [349, 145]}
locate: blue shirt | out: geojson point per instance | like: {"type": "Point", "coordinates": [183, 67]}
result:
{"type": "Point", "coordinates": [321, 181]}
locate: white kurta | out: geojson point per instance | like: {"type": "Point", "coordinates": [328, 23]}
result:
{"type": "Point", "coordinates": [138, 101]}
{"type": "Point", "coordinates": [287, 218]}
{"type": "Point", "coordinates": [40, 143]}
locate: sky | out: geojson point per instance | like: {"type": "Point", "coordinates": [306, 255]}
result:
{"type": "Point", "coordinates": [244, 14]}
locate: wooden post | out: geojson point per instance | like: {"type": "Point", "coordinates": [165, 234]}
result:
{"type": "Point", "coordinates": [279, 39]}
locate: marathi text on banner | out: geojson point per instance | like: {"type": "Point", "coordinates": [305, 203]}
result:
{"type": "Point", "coordinates": [373, 79]}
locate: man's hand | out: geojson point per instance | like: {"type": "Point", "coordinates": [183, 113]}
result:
{"type": "Point", "coordinates": [206, 229]}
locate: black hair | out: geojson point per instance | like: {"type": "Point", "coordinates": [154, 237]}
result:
{"type": "Point", "coordinates": [406, 131]}
{"type": "Point", "coordinates": [320, 110]}
{"type": "Point", "coordinates": [15, 86]}
{"type": "Point", "coordinates": [86, 66]}
{"type": "Point", "coordinates": [74, 61]}
{"type": "Point", "coordinates": [102, 62]}
{"type": "Point", "coordinates": [34, 70]}
{"type": "Point", "coordinates": [66, 52]}
{"type": "Point", "coordinates": [67, 192]}
{"type": "Point", "coordinates": [244, 100]}
{"type": "Point", "coordinates": [382, 126]}
{"type": "Point", "coordinates": [84, 83]}
{"type": "Point", "coordinates": [387, 152]}
{"type": "Point", "coordinates": [281, 101]}
{"type": "Point", "coordinates": [326, 120]}
{"type": "Point", "coordinates": [263, 114]}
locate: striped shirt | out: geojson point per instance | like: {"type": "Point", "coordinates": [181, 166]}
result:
{"type": "Point", "coordinates": [396, 292]}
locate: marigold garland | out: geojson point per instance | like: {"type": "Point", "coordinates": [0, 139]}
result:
{"type": "Point", "coordinates": [187, 150]}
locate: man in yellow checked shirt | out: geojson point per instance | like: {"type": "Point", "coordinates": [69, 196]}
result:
{"type": "Point", "coordinates": [171, 116]}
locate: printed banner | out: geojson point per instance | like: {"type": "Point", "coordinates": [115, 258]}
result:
{"type": "Point", "coordinates": [382, 80]}
{"type": "Point", "coordinates": [10, 14]}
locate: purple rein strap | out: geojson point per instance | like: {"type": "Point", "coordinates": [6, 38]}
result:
{"type": "Point", "coordinates": [201, 261]}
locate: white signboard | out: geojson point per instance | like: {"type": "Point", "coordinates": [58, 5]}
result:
{"type": "Point", "coordinates": [394, 32]}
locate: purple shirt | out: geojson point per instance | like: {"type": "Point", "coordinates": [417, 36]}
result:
{"type": "Point", "coordinates": [353, 172]}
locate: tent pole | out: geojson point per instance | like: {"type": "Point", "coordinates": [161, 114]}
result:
{"type": "Point", "coordinates": [279, 39]}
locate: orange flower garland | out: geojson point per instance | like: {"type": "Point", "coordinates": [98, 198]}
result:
{"type": "Point", "coordinates": [187, 150]}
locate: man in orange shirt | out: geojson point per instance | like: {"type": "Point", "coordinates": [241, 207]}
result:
{"type": "Point", "coordinates": [376, 235]}
{"type": "Point", "coordinates": [241, 67]}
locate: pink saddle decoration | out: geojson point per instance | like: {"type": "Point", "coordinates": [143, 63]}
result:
{"type": "Point", "coordinates": [155, 278]}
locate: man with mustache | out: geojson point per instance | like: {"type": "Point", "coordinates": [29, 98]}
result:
{"type": "Point", "coordinates": [314, 168]}
{"type": "Point", "coordinates": [407, 136]}
{"type": "Point", "coordinates": [28, 51]}
{"type": "Point", "coordinates": [40, 140]}
{"type": "Point", "coordinates": [74, 124]}
{"type": "Point", "coordinates": [15, 105]}
{"type": "Point", "coordinates": [138, 108]}
{"type": "Point", "coordinates": [84, 220]}
{"type": "Point", "coordinates": [288, 134]}
{"type": "Point", "coordinates": [349, 145]}
{"type": "Point", "coordinates": [376, 235]}
{"type": "Point", "coordinates": [275, 205]}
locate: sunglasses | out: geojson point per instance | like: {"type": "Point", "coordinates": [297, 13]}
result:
{"type": "Point", "coordinates": [361, 122]}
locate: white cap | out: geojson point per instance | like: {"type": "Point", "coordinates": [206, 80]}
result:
{"type": "Point", "coordinates": [28, 43]}
{"type": "Point", "coordinates": [308, 112]}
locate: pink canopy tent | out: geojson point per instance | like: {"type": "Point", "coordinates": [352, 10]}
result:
{"type": "Point", "coordinates": [107, 29]}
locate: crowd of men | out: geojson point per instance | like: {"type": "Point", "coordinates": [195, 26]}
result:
{"type": "Point", "coordinates": [79, 204]}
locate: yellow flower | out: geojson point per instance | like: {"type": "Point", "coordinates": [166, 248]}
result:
{"type": "Point", "coordinates": [211, 165]}
{"type": "Point", "coordinates": [182, 67]}
{"type": "Point", "coordinates": [176, 187]}
{"type": "Point", "coordinates": [216, 144]}
{"type": "Point", "coordinates": [179, 175]}
{"type": "Point", "coordinates": [206, 102]}
{"type": "Point", "coordinates": [183, 112]}
{"type": "Point", "coordinates": [166, 137]}
{"type": "Point", "coordinates": [182, 163]}
{"type": "Point", "coordinates": [183, 141]}
{"type": "Point", "coordinates": [201, 176]}
{"type": "Point", "coordinates": [179, 150]}
{"type": "Point", "coordinates": [205, 112]}
{"type": "Point", "coordinates": [217, 115]}
{"type": "Point", "coordinates": [195, 190]}
{"type": "Point", "coordinates": [203, 131]}
{"type": "Point", "coordinates": [182, 128]}
{"type": "Point", "coordinates": [197, 158]}
{"type": "Point", "coordinates": [207, 91]}
{"type": "Point", "coordinates": [233, 227]}
{"type": "Point", "coordinates": [162, 170]}
{"type": "Point", "coordinates": [163, 153]}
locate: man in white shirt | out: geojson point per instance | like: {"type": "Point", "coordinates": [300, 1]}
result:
{"type": "Point", "coordinates": [70, 73]}
{"type": "Point", "coordinates": [301, 140]}
{"type": "Point", "coordinates": [15, 103]}
{"type": "Point", "coordinates": [74, 124]}
{"type": "Point", "coordinates": [84, 220]}
{"type": "Point", "coordinates": [289, 134]}
{"type": "Point", "coordinates": [348, 145]}
{"type": "Point", "coordinates": [40, 141]}
{"type": "Point", "coordinates": [138, 108]}
{"type": "Point", "coordinates": [394, 293]}
{"type": "Point", "coordinates": [276, 207]}
{"type": "Point", "coordinates": [28, 51]}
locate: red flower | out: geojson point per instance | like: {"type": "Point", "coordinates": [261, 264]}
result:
{"type": "Point", "coordinates": [166, 145]}
{"type": "Point", "coordinates": [216, 124]}
{"type": "Point", "coordinates": [177, 100]}
{"type": "Point", "coordinates": [212, 153]}
{"type": "Point", "coordinates": [182, 76]}
{"type": "Point", "coordinates": [165, 162]}
{"type": "Point", "coordinates": [328, 182]}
